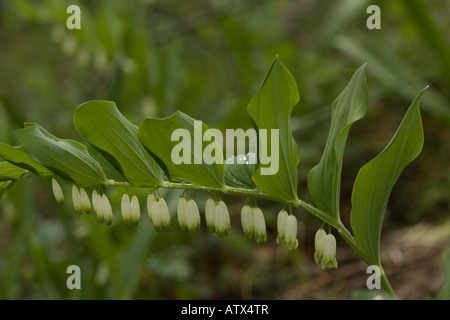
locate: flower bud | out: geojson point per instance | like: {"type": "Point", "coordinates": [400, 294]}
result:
{"type": "Point", "coordinates": [210, 208]}
{"type": "Point", "coordinates": [85, 203]}
{"type": "Point", "coordinates": [259, 225]}
{"type": "Point", "coordinates": [247, 221]}
{"type": "Point", "coordinates": [135, 210]}
{"type": "Point", "coordinates": [222, 221]}
{"type": "Point", "coordinates": [281, 219]}
{"type": "Point", "coordinates": [125, 207]}
{"type": "Point", "coordinates": [192, 216]}
{"type": "Point", "coordinates": [181, 213]}
{"type": "Point", "coordinates": [57, 191]}
{"type": "Point", "coordinates": [76, 199]}
{"type": "Point", "coordinates": [290, 241]}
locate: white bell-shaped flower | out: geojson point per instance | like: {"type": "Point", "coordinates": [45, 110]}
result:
{"type": "Point", "coordinates": [125, 207]}
{"type": "Point", "coordinates": [135, 210]}
{"type": "Point", "coordinates": [247, 221]}
{"type": "Point", "coordinates": [164, 212]}
{"type": "Point", "coordinates": [159, 213]}
{"type": "Point", "coordinates": [181, 213]}
{"type": "Point", "coordinates": [329, 252]}
{"type": "Point", "coordinates": [210, 214]}
{"type": "Point", "coordinates": [259, 225]}
{"type": "Point", "coordinates": [290, 241]}
{"type": "Point", "coordinates": [281, 220]}
{"type": "Point", "coordinates": [222, 219]}
{"type": "Point", "coordinates": [85, 202]}
{"type": "Point", "coordinates": [319, 241]}
{"type": "Point", "coordinates": [96, 199]}
{"type": "Point", "coordinates": [106, 210]}
{"type": "Point", "coordinates": [57, 191]}
{"type": "Point", "coordinates": [192, 216]}
{"type": "Point", "coordinates": [76, 199]}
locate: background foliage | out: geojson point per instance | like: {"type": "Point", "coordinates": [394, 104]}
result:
{"type": "Point", "coordinates": [207, 59]}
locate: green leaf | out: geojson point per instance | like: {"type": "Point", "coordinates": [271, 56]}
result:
{"type": "Point", "coordinates": [376, 179]}
{"type": "Point", "coordinates": [9, 171]}
{"type": "Point", "coordinates": [18, 156]}
{"type": "Point", "coordinates": [116, 138]}
{"type": "Point", "coordinates": [239, 175]}
{"type": "Point", "coordinates": [271, 109]}
{"type": "Point", "coordinates": [324, 180]}
{"type": "Point", "coordinates": [187, 145]}
{"type": "Point", "coordinates": [67, 158]}
{"type": "Point", "coordinates": [110, 171]}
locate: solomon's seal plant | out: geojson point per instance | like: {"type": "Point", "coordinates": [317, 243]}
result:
{"type": "Point", "coordinates": [113, 152]}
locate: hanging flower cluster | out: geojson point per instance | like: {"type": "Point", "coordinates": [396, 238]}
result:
{"type": "Point", "coordinates": [217, 218]}
{"type": "Point", "coordinates": [325, 253]}
{"type": "Point", "coordinates": [287, 230]}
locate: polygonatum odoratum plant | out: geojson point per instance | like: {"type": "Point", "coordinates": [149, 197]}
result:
{"type": "Point", "coordinates": [179, 152]}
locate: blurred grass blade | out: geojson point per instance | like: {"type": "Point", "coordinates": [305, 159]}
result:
{"type": "Point", "coordinates": [376, 179]}
{"type": "Point", "coordinates": [19, 157]}
{"type": "Point", "coordinates": [270, 109]}
{"type": "Point", "coordinates": [239, 175]}
{"type": "Point", "coordinates": [156, 136]}
{"type": "Point", "coordinates": [116, 138]}
{"type": "Point", "coordinates": [421, 17]}
{"type": "Point", "coordinates": [67, 158]}
{"type": "Point", "coordinates": [5, 186]}
{"type": "Point", "coordinates": [395, 72]}
{"type": "Point", "coordinates": [9, 171]}
{"type": "Point", "coordinates": [444, 292]}
{"type": "Point", "coordinates": [324, 180]}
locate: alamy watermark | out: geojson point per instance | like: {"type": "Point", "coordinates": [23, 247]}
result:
{"type": "Point", "coordinates": [373, 281]}
{"type": "Point", "coordinates": [74, 280]}
{"type": "Point", "coordinates": [266, 141]}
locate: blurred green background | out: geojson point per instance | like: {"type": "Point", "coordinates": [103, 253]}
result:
{"type": "Point", "coordinates": [207, 59]}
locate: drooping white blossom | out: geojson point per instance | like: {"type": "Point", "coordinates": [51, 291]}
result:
{"type": "Point", "coordinates": [281, 219]}
{"type": "Point", "coordinates": [247, 221]}
{"type": "Point", "coordinates": [210, 214]}
{"type": "Point", "coordinates": [85, 202]}
{"type": "Point", "coordinates": [192, 216]}
{"type": "Point", "coordinates": [290, 241]}
{"type": "Point", "coordinates": [181, 213]}
{"type": "Point", "coordinates": [57, 191]}
{"type": "Point", "coordinates": [135, 210]}
{"type": "Point", "coordinates": [222, 219]}
{"type": "Point", "coordinates": [259, 225]}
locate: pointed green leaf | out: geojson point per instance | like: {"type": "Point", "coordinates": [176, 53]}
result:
{"type": "Point", "coordinates": [19, 157]}
{"type": "Point", "coordinates": [324, 180]}
{"type": "Point", "coordinates": [239, 175]}
{"type": "Point", "coordinates": [9, 171]}
{"type": "Point", "coordinates": [67, 158]}
{"type": "Point", "coordinates": [376, 179]}
{"type": "Point", "coordinates": [177, 141]}
{"type": "Point", "coordinates": [270, 109]}
{"type": "Point", "coordinates": [116, 138]}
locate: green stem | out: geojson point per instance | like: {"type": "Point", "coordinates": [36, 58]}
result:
{"type": "Point", "coordinates": [386, 284]}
